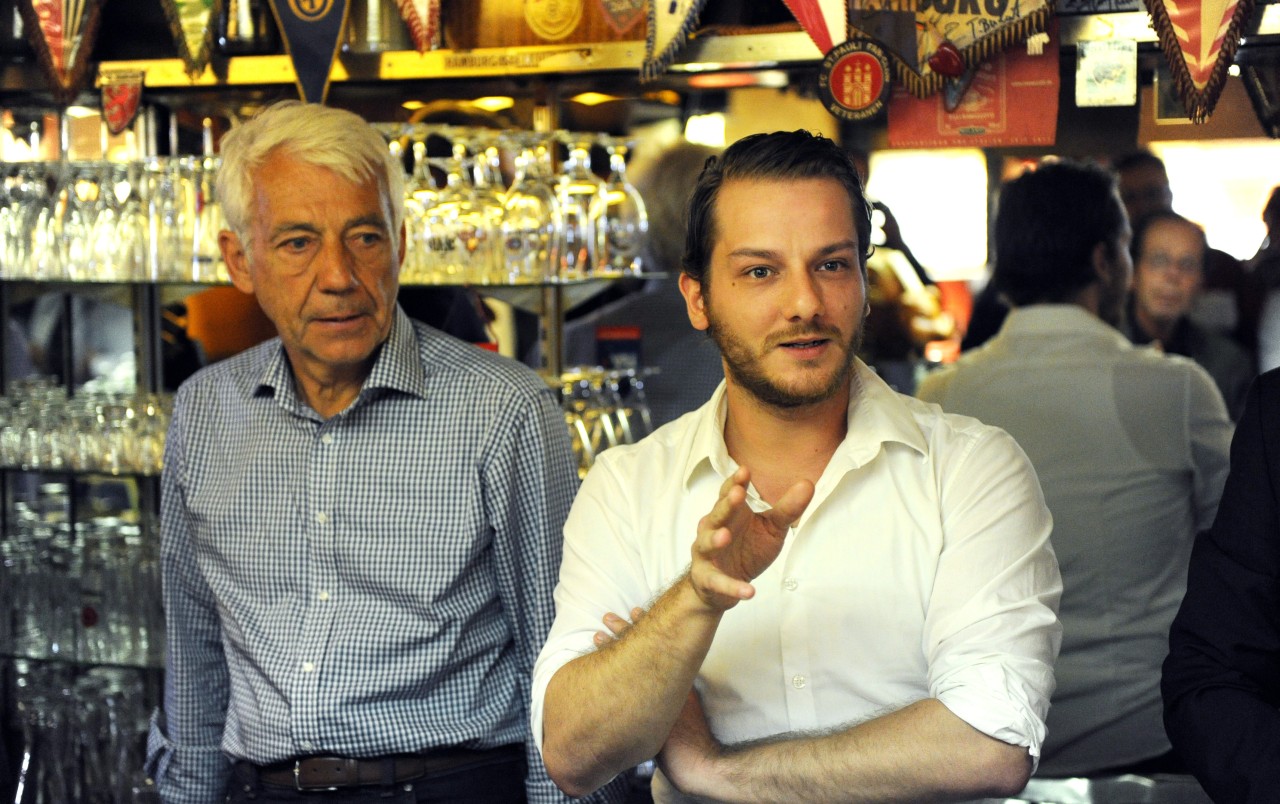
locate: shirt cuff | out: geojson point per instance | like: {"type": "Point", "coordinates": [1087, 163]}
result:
{"type": "Point", "coordinates": [185, 774]}
{"type": "Point", "coordinates": [1004, 706]}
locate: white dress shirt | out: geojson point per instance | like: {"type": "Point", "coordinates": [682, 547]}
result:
{"type": "Point", "coordinates": [922, 568]}
{"type": "Point", "coordinates": [1131, 446]}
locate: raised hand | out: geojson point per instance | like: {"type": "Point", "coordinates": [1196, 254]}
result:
{"type": "Point", "coordinates": [735, 544]}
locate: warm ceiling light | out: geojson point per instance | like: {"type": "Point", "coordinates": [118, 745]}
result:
{"type": "Point", "coordinates": [593, 98]}
{"type": "Point", "coordinates": [80, 112]}
{"type": "Point", "coordinates": [495, 103]}
{"type": "Point", "coordinates": [412, 106]}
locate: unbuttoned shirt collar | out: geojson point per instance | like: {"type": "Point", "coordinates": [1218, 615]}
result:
{"type": "Point", "coordinates": [397, 368]}
{"type": "Point", "coordinates": [876, 418]}
{"type": "Point", "coordinates": [1057, 322]}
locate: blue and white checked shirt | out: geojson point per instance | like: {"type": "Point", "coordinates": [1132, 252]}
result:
{"type": "Point", "coordinates": [373, 584]}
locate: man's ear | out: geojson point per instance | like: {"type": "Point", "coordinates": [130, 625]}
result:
{"type": "Point", "coordinates": [1103, 265]}
{"type": "Point", "coordinates": [695, 303]}
{"type": "Point", "coordinates": [237, 261]}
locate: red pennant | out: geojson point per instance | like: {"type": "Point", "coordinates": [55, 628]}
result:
{"type": "Point", "coordinates": [121, 94]}
{"type": "Point", "coordinates": [62, 34]}
{"type": "Point", "coordinates": [1199, 39]}
{"type": "Point", "coordinates": [622, 15]}
{"type": "Point", "coordinates": [826, 21]}
{"type": "Point", "coordinates": [423, 19]}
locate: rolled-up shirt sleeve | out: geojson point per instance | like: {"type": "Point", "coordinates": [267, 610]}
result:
{"type": "Point", "coordinates": [991, 632]}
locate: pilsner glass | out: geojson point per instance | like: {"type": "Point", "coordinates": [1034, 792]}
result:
{"type": "Point", "coordinates": [581, 195]}
{"type": "Point", "coordinates": [624, 220]}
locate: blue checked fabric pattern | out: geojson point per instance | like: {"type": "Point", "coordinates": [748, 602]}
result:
{"type": "Point", "coordinates": [377, 583]}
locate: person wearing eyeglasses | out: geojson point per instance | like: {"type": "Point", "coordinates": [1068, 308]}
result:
{"type": "Point", "coordinates": [1168, 275]}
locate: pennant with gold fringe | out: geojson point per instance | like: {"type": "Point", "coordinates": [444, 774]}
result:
{"type": "Point", "coordinates": [826, 21]}
{"type": "Point", "coordinates": [121, 95]}
{"type": "Point", "coordinates": [423, 19]}
{"type": "Point", "coordinates": [62, 32]}
{"type": "Point", "coordinates": [1199, 39]}
{"type": "Point", "coordinates": [934, 41]}
{"type": "Point", "coordinates": [191, 23]}
{"type": "Point", "coordinates": [670, 23]}
{"type": "Point", "coordinates": [312, 32]}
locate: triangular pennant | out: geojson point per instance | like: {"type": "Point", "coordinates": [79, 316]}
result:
{"type": "Point", "coordinates": [121, 94]}
{"type": "Point", "coordinates": [947, 37]}
{"type": "Point", "coordinates": [190, 21]}
{"type": "Point", "coordinates": [623, 14]}
{"type": "Point", "coordinates": [1199, 39]}
{"type": "Point", "coordinates": [62, 32]}
{"type": "Point", "coordinates": [423, 19]}
{"type": "Point", "coordinates": [312, 32]}
{"type": "Point", "coordinates": [670, 22]}
{"type": "Point", "coordinates": [826, 21]}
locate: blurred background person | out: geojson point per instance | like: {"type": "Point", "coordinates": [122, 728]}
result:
{"type": "Point", "coordinates": [1168, 275]}
{"type": "Point", "coordinates": [1230, 301]}
{"type": "Point", "coordinates": [1130, 447]}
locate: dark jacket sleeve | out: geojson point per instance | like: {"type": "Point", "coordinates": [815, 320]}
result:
{"type": "Point", "coordinates": [1221, 681]}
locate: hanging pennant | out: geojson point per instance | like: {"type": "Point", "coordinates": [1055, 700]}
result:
{"type": "Point", "coordinates": [423, 19]}
{"type": "Point", "coordinates": [670, 22]}
{"type": "Point", "coordinates": [121, 94]}
{"type": "Point", "coordinates": [62, 32]}
{"type": "Point", "coordinates": [1199, 39]}
{"type": "Point", "coordinates": [826, 21]}
{"type": "Point", "coordinates": [312, 31]}
{"type": "Point", "coordinates": [622, 15]}
{"type": "Point", "coordinates": [190, 22]}
{"type": "Point", "coordinates": [933, 41]}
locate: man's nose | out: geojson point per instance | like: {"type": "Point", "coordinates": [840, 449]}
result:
{"type": "Point", "coordinates": [803, 300]}
{"type": "Point", "coordinates": [336, 269]}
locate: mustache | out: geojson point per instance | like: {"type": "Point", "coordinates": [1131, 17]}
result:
{"type": "Point", "coordinates": [803, 334]}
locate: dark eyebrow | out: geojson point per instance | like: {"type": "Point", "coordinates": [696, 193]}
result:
{"type": "Point", "coordinates": [368, 220]}
{"type": "Point", "coordinates": [825, 251]}
{"type": "Point", "coordinates": [292, 227]}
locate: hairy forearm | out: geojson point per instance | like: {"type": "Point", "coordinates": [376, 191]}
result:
{"type": "Point", "coordinates": [920, 753]}
{"type": "Point", "coordinates": [613, 708]}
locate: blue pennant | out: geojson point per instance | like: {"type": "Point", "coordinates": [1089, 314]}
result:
{"type": "Point", "coordinates": [312, 32]}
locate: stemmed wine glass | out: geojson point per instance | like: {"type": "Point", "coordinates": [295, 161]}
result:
{"type": "Point", "coordinates": [531, 219]}
{"type": "Point", "coordinates": [582, 201]}
{"type": "Point", "coordinates": [624, 220]}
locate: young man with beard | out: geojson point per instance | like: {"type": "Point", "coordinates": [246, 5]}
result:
{"type": "Point", "coordinates": [870, 606]}
{"type": "Point", "coordinates": [1130, 446]}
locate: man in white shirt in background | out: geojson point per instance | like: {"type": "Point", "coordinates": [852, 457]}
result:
{"type": "Point", "coordinates": [870, 607]}
{"type": "Point", "coordinates": [1130, 446]}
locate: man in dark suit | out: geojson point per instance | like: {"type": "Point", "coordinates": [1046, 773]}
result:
{"type": "Point", "coordinates": [1221, 680]}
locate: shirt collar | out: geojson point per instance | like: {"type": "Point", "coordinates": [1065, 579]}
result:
{"type": "Point", "coordinates": [397, 368]}
{"type": "Point", "coordinates": [876, 416]}
{"type": "Point", "coordinates": [1059, 321]}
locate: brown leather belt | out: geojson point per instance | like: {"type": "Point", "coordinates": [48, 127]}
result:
{"type": "Point", "coordinates": [333, 773]}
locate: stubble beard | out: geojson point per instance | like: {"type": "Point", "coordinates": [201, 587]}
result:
{"type": "Point", "coordinates": [748, 372]}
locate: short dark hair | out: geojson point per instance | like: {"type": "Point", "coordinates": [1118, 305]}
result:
{"type": "Point", "coordinates": [1147, 221]}
{"type": "Point", "coordinates": [780, 155]}
{"type": "Point", "coordinates": [1136, 159]}
{"type": "Point", "coordinates": [1048, 223]}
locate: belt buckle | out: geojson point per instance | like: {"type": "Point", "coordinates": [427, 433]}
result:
{"type": "Point", "coordinates": [297, 780]}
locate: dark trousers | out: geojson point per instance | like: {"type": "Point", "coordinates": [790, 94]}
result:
{"type": "Point", "coordinates": [498, 779]}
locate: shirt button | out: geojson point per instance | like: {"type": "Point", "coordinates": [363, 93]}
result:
{"type": "Point", "coordinates": [322, 517]}
{"type": "Point", "coordinates": [305, 745]}
{"type": "Point", "coordinates": [798, 681]}
{"type": "Point", "coordinates": [324, 595]}
{"type": "Point", "coordinates": [327, 438]}
{"type": "Point", "coordinates": [790, 584]}
{"type": "Point", "coordinates": [308, 667]}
